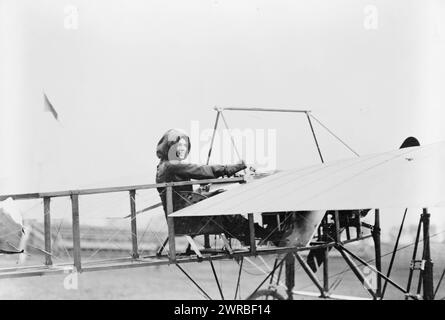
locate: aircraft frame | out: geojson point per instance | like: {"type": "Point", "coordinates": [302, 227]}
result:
{"type": "Point", "coordinates": [285, 256]}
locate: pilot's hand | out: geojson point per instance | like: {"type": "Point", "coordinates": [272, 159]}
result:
{"type": "Point", "coordinates": [231, 169]}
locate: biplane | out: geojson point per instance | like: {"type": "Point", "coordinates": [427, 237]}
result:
{"type": "Point", "coordinates": [307, 212]}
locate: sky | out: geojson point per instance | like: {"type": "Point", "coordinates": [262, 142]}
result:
{"type": "Point", "coordinates": [120, 73]}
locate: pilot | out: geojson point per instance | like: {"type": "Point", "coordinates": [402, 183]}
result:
{"type": "Point", "coordinates": [172, 150]}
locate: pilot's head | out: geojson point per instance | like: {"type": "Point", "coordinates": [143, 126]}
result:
{"type": "Point", "coordinates": [174, 145]}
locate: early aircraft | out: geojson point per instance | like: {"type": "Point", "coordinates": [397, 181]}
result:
{"type": "Point", "coordinates": [303, 210]}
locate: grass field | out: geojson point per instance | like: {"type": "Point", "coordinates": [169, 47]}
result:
{"type": "Point", "coordinates": [167, 282]}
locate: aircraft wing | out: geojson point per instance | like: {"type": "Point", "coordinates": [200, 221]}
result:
{"type": "Point", "coordinates": [411, 177]}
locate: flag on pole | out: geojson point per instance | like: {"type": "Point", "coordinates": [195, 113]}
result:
{"type": "Point", "coordinates": [48, 107]}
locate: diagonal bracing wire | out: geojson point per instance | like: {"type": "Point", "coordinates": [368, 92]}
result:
{"type": "Point", "coordinates": [334, 135]}
{"type": "Point", "coordinates": [231, 137]}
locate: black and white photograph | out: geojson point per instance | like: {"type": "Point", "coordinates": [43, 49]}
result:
{"type": "Point", "coordinates": [229, 150]}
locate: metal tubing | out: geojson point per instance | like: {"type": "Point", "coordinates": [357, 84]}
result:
{"type": "Point", "coordinates": [263, 109]}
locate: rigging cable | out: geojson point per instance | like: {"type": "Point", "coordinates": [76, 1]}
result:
{"type": "Point", "coordinates": [231, 137]}
{"type": "Point", "coordinates": [334, 135]}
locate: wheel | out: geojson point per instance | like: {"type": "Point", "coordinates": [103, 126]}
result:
{"type": "Point", "coordinates": [266, 294]}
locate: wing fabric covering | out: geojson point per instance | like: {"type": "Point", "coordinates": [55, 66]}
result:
{"type": "Point", "coordinates": [410, 177]}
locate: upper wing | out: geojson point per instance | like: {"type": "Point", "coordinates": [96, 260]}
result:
{"type": "Point", "coordinates": [411, 177]}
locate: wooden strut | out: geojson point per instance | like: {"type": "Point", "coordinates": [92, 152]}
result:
{"type": "Point", "coordinates": [290, 275]}
{"type": "Point", "coordinates": [134, 235]}
{"type": "Point", "coordinates": [76, 232]}
{"type": "Point", "coordinates": [171, 225]}
{"type": "Point", "coordinates": [194, 247]}
{"type": "Point", "coordinates": [411, 270]}
{"type": "Point", "coordinates": [427, 275]}
{"type": "Point", "coordinates": [252, 234]}
{"type": "Point", "coordinates": [377, 249]}
{"type": "Point", "coordinates": [47, 229]}
{"type": "Point", "coordinates": [426, 269]}
{"type": "Point", "coordinates": [227, 244]}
